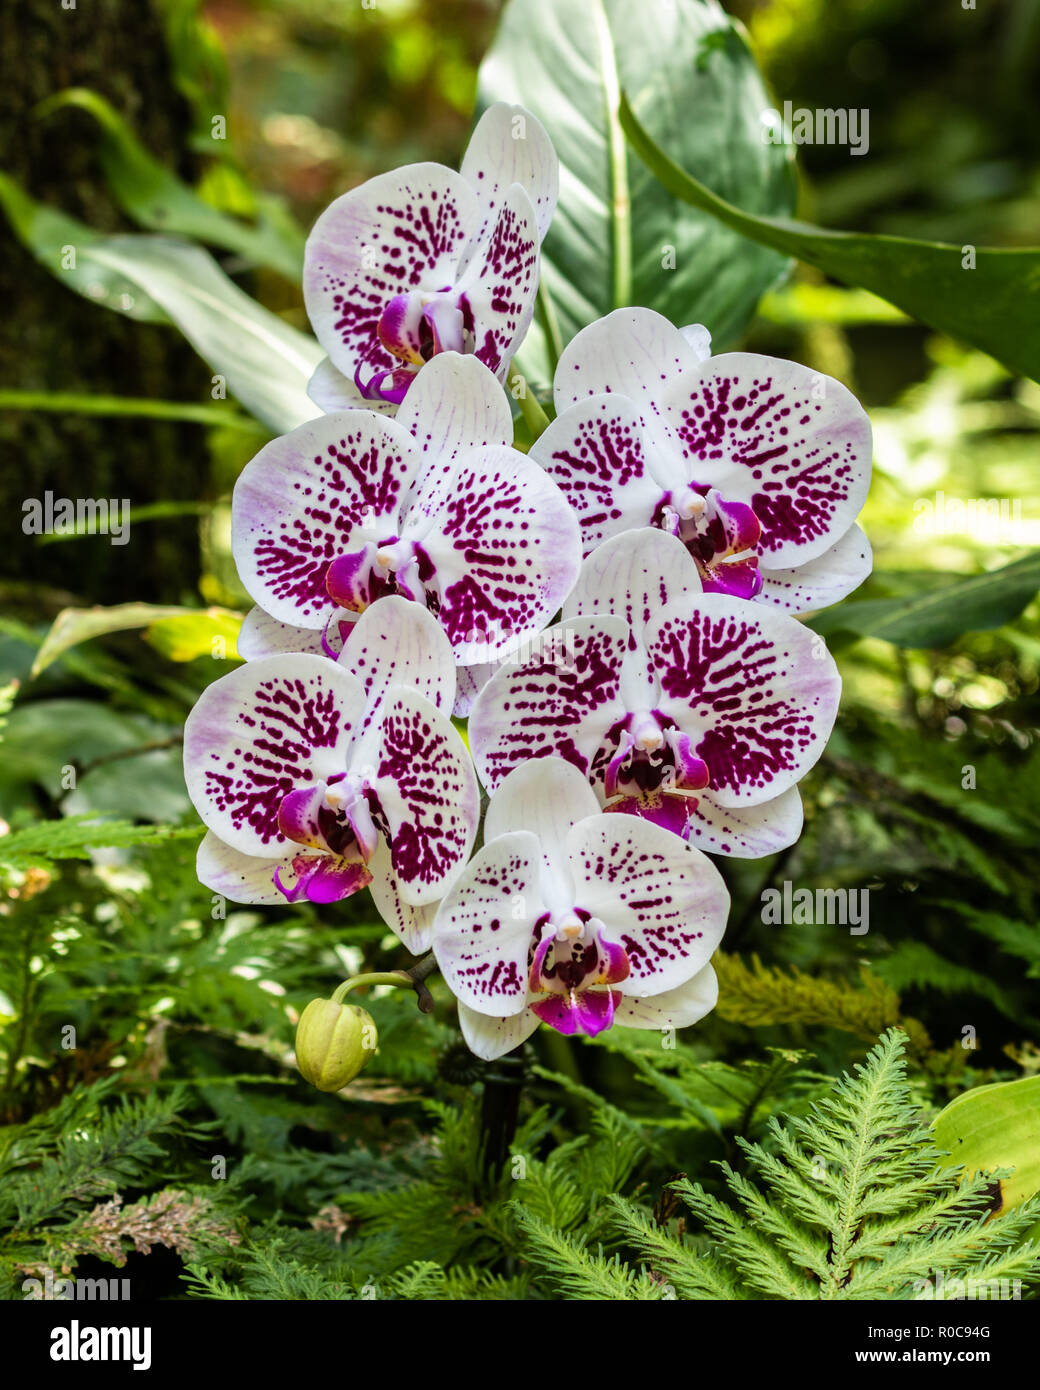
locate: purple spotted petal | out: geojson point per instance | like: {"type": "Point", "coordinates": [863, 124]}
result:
{"type": "Point", "coordinates": [400, 231]}
{"type": "Point", "coordinates": [587, 1011]}
{"type": "Point", "coordinates": [311, 496]}
{"type": "Point", "coordinates": [793, 444]}
{"type": "Point", "coordinates": [664, 902]}
{"type": "Point", "coordinates": [427, 796]}
{"type": "Point", "coordinates": [675, 1008]}
{"type": "Point", "coordinates": [498, 282]}
{"type": "Point", "coordinates": [745, 832]}
{"type": "Point", "coordinates": [455, 404]}
{"type": "Point", "coordinates": [480, 939]}
{"type": "Point", "coordinates": [413, 925]}
{"type": "Point", "coordinates": [489, 1038]}
{"type": "Point", "coordinates": [607, 464]}
{"type": "Point", "coordinates": [820, 582]}
{"type": "Point", "coordinates": [504, 549]}
{"type": "Point", "coordinates": [509, 145]}
{"type": "Point", "coordinates": [631, 352]}
{"type": "Point", "coordinates": [261, 635]}
{"type": "Point", "coordinates": [634, 576]}
{"type": "Point", "coordinates": [755, 690]}
{"type": "Point", "coordinates": [261, 732]}
{"type": "Point", "coordinates": [561, 701]}
{"type": "Point", "coordinates": [331, 391]}
{"type": "Point", "coordinates": [397, 643]}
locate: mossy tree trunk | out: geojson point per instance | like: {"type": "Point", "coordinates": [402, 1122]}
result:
{"type": "Point", "coordinates": [54, 340]}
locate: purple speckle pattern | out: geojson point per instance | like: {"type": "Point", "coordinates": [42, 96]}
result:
{"type": "Point", "coordinates": [354, 480]}
{"type": "Point", "coordinates": [363, 254]}
{"type": "Point", "coordinates": [797, 471]}
{"type": "Point", "coordinates": [488, 954]}
{"type": "Point", "coordinates": [739, 688]}
{"type": "Point", "coordinates": [597, 455]}
{"type": "Point", "coordinates": [424, 791]}
{"type": "Point", "coordinates": [500, 296]}
{"type": "Point", "coordinates": [271, 751]}
{"type": "Point", "coordinates": [560, 702]}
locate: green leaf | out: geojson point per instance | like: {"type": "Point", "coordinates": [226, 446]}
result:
{"type": "Point", "coordinates": [155, 198]}
{"type": "Point", "coordinates": [75, 625]}
{"type": "Point", "coordinates": [264, 362]}
{"type": "Point", "coordinates": [992, 306]}
{"type": "Point", "coordinates": [941, 613]}
{"type": "Point", "coordinates": [83, 403]}
{"type": "Point", "coordinates": [196, 633]}
{"type": "Point", "coordinates": [616, 229]}
{"type": "Point", "coordinates": [994, 1127]}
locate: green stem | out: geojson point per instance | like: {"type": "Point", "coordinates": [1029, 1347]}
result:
{"type": "Point", "coordinates": [620, 203]}
{"type": "Point", "coordinates": [530, 408]}
{"type": "Point", "coordinates": [550, 325]}
{"type": "Point", "coordinates": [401, 979]}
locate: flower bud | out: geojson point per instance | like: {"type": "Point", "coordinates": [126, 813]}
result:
{"type": "Point", "coordinates": [333, 1043]}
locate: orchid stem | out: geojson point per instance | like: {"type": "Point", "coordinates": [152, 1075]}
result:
{"type": "Point", "coordinates": [535, 417]}
{"type": "Point", "coordinates": [401, 979]}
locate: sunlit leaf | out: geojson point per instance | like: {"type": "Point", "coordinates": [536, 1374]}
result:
{"type": "Point", "coordinates": [937, 615]}
{"type": "Point", "coordinates": [618, 236]}
{"type": "Point", "coordinates": [991, 305]}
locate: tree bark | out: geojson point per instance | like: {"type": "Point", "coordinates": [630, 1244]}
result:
{"type": "Point", "coordinates": [52, 339]}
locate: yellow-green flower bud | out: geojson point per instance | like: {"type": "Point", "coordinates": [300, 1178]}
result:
{"type": "Point", "coordinates": [333, 1043]}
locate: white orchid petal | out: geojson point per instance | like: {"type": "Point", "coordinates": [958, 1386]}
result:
{"type": "Point", "coordinates": [265, 729]}
{"type": "Point", "coordinates": [631, 352]}
{"type": "Point", "coordinates": [483, 927]}
{"type": "Point", "coordinates": [756, 691]}
{"type": "Point", "coordinates": [509, 145]}
{"type": "Point", "coordinates": [675, 1008]}
{"type": "Point", "coordinates": [818, 583]}
{"type": "Point", "coordinates": [793, 444]}
{"type": "Point", "coordinates": [560, 699]}
{"type": "Point", "coordinates": [491, 1038]}
{"type": "Point", "coordinates": [745, 832]}
{"type": "Point", "coordinates": [659, 898]}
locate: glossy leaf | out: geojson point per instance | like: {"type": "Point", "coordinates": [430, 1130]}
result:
{"type": "Point", "coordinates": [618, 237]}
{"type": "Point", "coordinates": [937, 615]}
{"type": "Point", "coordinates": [985, 296]}
{"type": "Point", "coordinates": [996, 1127]}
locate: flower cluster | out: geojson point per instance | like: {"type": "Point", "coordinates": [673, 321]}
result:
{"type": "Point", "coordinates": [613, 610]}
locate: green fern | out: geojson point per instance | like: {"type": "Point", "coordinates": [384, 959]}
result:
{"type": "Point", "coordinates": [761, 996]}
{"type": "Point", "coordinates": [74, 837]}
{"type": "Point", "coordinates": [849, 1202]}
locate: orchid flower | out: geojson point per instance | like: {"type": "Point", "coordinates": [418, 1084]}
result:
{"type": "Point", "coordinates": [696, 710]}
{"type": "Point", "coordinates": [433, 506]}
{"type": "Point", "coordinates": [758, 466]}
{"type": "Point", "coordinates": [423, 260]}
{"type": "Point", "coordinates": [576, 919]}
{"type": "Point", "coordinates": [314, 780]}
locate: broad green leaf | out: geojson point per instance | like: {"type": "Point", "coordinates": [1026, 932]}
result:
{"type": "Point", "coordinates": [940, 613]}
{"type": "Point", "coordinates": [157, 199]}
{"type": "Point", "coordinates": [619, 237]}
{"type": "Point", "coordinates": [994, 1127]}
{"type": "Point", "coordinates": [991, 305]}
{"type": "Point", "coordinates": [197, 632]}
{"type": "Point", "coordinates": [263, 361]}
{"type": "Point", "coordinates": [75, 625]}
{"type": "Point", "coordinates": [88, 403]}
